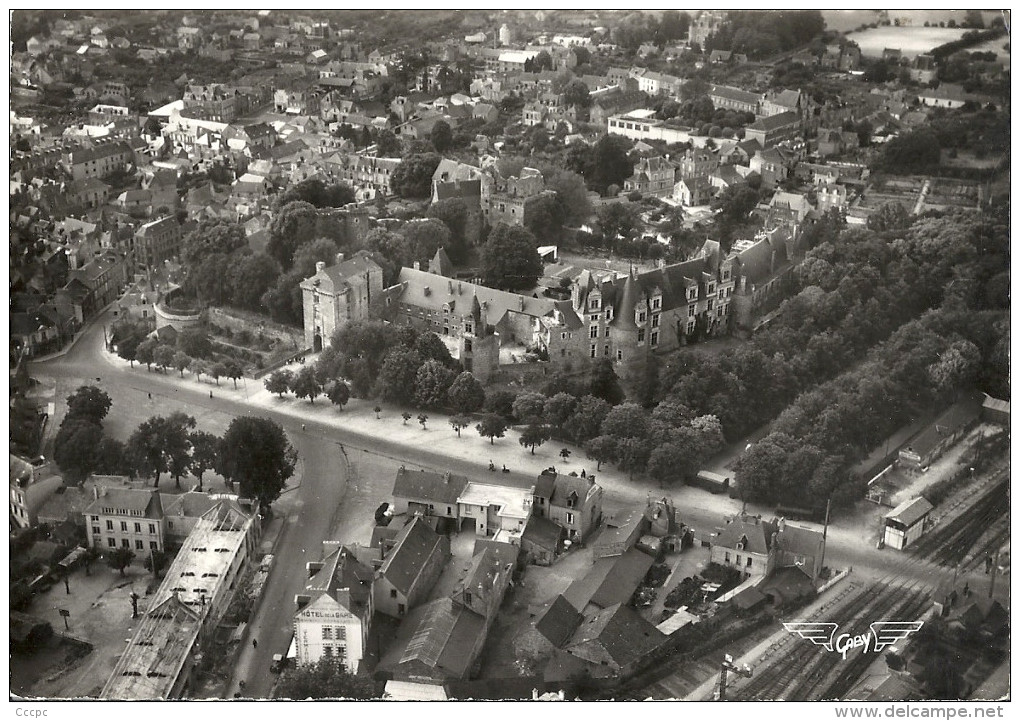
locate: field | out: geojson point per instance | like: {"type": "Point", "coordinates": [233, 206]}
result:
{"type": "Point", "coordinates": [845, 21]}
{"type": "Point", "coordinates": [911, 40]}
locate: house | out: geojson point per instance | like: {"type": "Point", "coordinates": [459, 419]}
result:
{"type": "Point", "coordinates": [30, 487]}
{"type": "Point", "coordinates": [906, 523]}
{"type": "Point", "coordinates": [542, 540]}
{"type": "Point", "coordinates": [836, 142]}
{"type": "Point", "coordinates": [773, 129]}
{"type": "Point", "coordinates": [613, 640]}
{"type": "Point", "coordinates": [571, 502]}
{"type": "Point", "coordinates": [410, 569]}
{"type": "Point", "coordinates": [994, 410]}
{"type": "Point", "coordinates": [693, 191]}
{"type": "Point", "coordinates": [729, 98]}
{"type": "Point", "coordinates": [335, 610]}
{"type": "Point", "coordinates": [652, 176]}
{"type": "Point", "coordinates": [129, 518]}
{"type": "Point", "coordinates": [338, 294]}
{"type": "Point", "coordinates": [509, 200]}
{"type": "Point", "coordinates": [759, 548]}
{"type": "Point", "coordinates": [156, 241]}
{"type": "Point", "coordinates": [610, 580]}
{"type": "Point", "coordinates": [428, 494]}
{"type": "Point", "coordinates": [934, 439]}
{"type": "Point", "coordinates": [621, 532]}
{"type": "Point", "coordinates": [441, 641]}
{"type": "Point", "coordinates": [453, 179]}
{"type": "Point", "coordinates": [99, 161]}
{"type": "Point", "coordinates": [761, 269]}
{"type": "Point", "coordinates": [831, 197]}
{"type": "Point", "coordinates": [185, 611]}
{"type": "Point", "coordinates": [494, 510]}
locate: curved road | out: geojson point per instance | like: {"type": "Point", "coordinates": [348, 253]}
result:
{"type": "Point", "coordinates": [316, 508]}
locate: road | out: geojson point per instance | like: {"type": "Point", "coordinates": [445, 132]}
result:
{"type": "Point", "coordinates": [315, 510]}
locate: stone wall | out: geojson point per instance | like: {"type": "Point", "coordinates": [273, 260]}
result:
{"type": "Point", "coordinates": [236, 321]}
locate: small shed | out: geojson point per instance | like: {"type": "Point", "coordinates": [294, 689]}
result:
{"type": "Point", "coordinates": [714, 482]}
{"type": "Point", "coordinates": [542, 540]}
{"type": "Point", "coordinates": [905, 523]}
{"type": "Point", "coordinates": [995, 411]}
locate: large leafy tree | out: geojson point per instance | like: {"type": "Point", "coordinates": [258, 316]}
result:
{"type": "Point", "coordinates": [529, 407]}
{"type": "Point", "coordinates": [76, 447]}
{"type": "Point", "coordinates": [255, 453]}
{"type": "Point", "coordinates": [327, 678]}
{"type": "Point", "coordinates": [355, 352]}
{"type": "Point", "coordinates": [534, 435]}
{"type": "Point", "coordinates": [89, 403]}
{"type": "Point", "coordinates": [279, 381]}
{"type": "Point", "coordinates": [422, 238]}
{"type": "Point", "coordinates": [461, 222]}
{"type": "Point", "coordinates": [492, 426]}
{"type": "Point", "coordinates": [604, 383]}
{"type": "Point", "coordinates": [586, 420]}
{"type": "Point", "coordinates": [413, 177]}
{"type": "Point", "coordinates": [510, 258]}
{"type": "Point", "coordinates": [315, 192]}
{"type": "Point", "coordinates": [293, 224]}
{"type": "Point", "coordinates": [466, 394]}
{"type": "Point", "coordinates": [212, 238]}
{"type": "Point", "coordinates": [205, 447]}
{"type": "Point", "coordinates": [252, 276]}
{"type": "Point", "coordinates": [338, 392]}
{"type": "Point", "coordinates": [431, 383]}
{"type": "Point", "coordinates": [305, 384]}
{"type": "Point", "coordinates": [398, 374]}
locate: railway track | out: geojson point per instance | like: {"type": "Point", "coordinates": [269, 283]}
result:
{"type": "Point", "coordinates": [839, 685]}
{"type": "Point", "coordinates": [949, 544]}
{"type": "Point", "coordinates": [769, 682]}
{"type": "Point", "coordinates": [894, 604]}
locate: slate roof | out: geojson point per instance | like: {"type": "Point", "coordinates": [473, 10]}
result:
{"type": "Point", "coordinates": [775, 122]}
{"type": "Point", "coordinates": [427, 486]}
{"type": "Point", "coordinates": [725, 91]}
{"type": "Point", "coordinates": [339, 273]}
{"type": "Point", "coordinates": [343, 579]}
{"type": "Point", "coordinates": [128, 499]}
{"type": "Point", "coordinates": [444, 640]}
{"type": "Point", "coordinates": [621, 633]}
{"type": "Point", "coordinates": [756, 535]}
{"type": "Point", "coordinates": [559, 622]}
{"type": "Point", "coordinates": [909, 512]}
{"type": "Point", "coordinates": [610, 580]}
{"type": "Point", "coordinates": [415, 544]}
{"type": "Point", "coordinates": [543, 533]}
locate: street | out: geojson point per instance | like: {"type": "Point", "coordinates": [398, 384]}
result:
{"type": "Point", "coordinates": [331, 504]}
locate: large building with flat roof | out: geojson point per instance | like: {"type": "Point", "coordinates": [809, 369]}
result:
{"type": "Point", "coordinates": [159, 660]}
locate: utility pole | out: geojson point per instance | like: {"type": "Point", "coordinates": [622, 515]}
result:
{"type": "Point", "coordinates": [825, 531]}
{"type": "Point", "coordinates": [995, 567]}
{"type": "Point", "coordinates": [727, 666]}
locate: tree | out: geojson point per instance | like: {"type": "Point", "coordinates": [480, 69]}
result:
{"type": "Point", "coordinates": [232, 370]}
{"type": "Point", "coordinates": [181, 361]}
{"type": "Point", "coordinates": [492, 426]}
{"type": "Point", "coordinates": [617, 220]}
{"type": "Point", "coordinates": [177, 444]}
{"type": "Point", "coordinates": [338, 392]}
{"type": "Point", "coordinates": [628, 420]}
{"type": "Point", "coordinates": [111, 458]}
{"type": "Point", "coordinates": [585, 422]}
{"type": "Point", "coordinates": [327, 678]}
{"type": "Point", "coordinates": [431, 383]}
{"type": "Point", "coordinates": [529, 407]}
{"type": "Point", "coordinates": [305, 384]}
{"type": "Point", "coordinates": [459, 422]}
{"type": "Point", "coordinates": [466, 394]}
{"type": "Point", "coordinates": [317, 193]}
{"type": "Point", "coordinates": [601, 449]}
{"type": "Point", "coordinates": [422, 238]}
{"type": "Point", "coordinates": [500, 402]}
{"type": "Point", "coordinates": [956, 368]}
{"type": "Point", "coordinates": [667, 462]}
{"type": "Point", "coordinates": [534, 435]}
{"type": "Point", "coordinates": [889, 216]}
{"type": "Point", "coordinates": [120, 558]}
{"type": "Point", "coordinates": [279, 381]}
{"type": "Point", "coordinates": [576, 94]}
{"type": "Point", "coordinates": [558, 409]}
{"type": "Point", "coordinates": [462, 223]}
{"type": "Point", "coordinates": [603, 382]}
{"type": "Point", "coordinates": [406, 416]}
{"type": "Point", "coordinates": [163, 356]}
{"type": "Point", "coordinates": [423, 419]}
{"type": "Point", "coordinates": [398, 374]}
{"type": "Point", "coordinates": [212, 237]}
{"type": "Point", "coordinates": [292, 225]}
{"type": "Point", "coordinates": [128, 338]}
{"type": "Point", "coordinates": [413, 177]}
{"type": "Point", "coordinates": [610, 164]}
{"type": "Point", "coordinates": [915, 152]}
{"type": "Point", "coordinates": [195, 342]}
{"type": "Point", "coordinates": [155, 562]}
{"type": "Point", "coordinates": [161, 445]}
{"type": "Point", "coordinates": [204, 449]}
{"type": "Point", "coordinates": [441, 136]}
{"type": "Point", "coordinates": [145, 352]}
{"type": "Point", "coordinates": [251, 278]}
{"type": "Point", "coordinates": [510, 258]}
{"type": "Point", "coordinates": [197, 366]}
{"type": "Point", "coordinates": [217, 371]}
{"type": "Point", "coordinates": [75, 448]}
{"type": "Point", "coordinates": [255, 452]}
{"type": "Point", "coordinates": [88, 403]}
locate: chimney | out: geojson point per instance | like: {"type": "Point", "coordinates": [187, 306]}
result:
{"type": "Point", "coordinates": [320, 266]}
{"type": "Point", "coordinates": [313, 567]}
{"type": "Point", "coordinates": [417, 265]}
{"type": "Point", "coordinates": [340, 258]}
{"type": "Point", "coordinates": [772, 262]}
{"type": "Point", "coordinates": [520, 302]}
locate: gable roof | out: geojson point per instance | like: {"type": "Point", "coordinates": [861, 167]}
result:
{"type": "Point", "coordinates": [755, 534]}
{"type": "Point", "coordinates": [428, 486]}
{"type": "Point", "coordinates": [415, 544]}
{"type": "Point", "coordinates": [559, 622]}
{"type": "Point", "coordinates": [339, 273]}
{"type": "Point", "coordinates": [775, 122]}
{"type": "Point", "coordinates": [911, 511]}
{"type": "Point", "coordinates": [140, 500]}
{"type": "Point", "coordinates": [445, 638]}
{"type": "Point", "coordinates": [344, 579]}
{"type": "Point", "coordinates": [620, 632]}
{"type": "Point", "coordinates": [610, 580]}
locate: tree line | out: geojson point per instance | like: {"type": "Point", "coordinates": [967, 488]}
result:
{"type": "Point", "coordinates": [253, 453]}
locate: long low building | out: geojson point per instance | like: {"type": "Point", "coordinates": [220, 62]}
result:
{"type": "Point", "coordinates": [159, 661]}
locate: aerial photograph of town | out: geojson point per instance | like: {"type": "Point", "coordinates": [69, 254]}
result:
{"type": "Point", "coordinates": [510, 355]}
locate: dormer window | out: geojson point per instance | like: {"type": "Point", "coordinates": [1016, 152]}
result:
{"type": "Point", "coordinates": [594, 303]}
{"type": "Point", "coordinates": [656, 303]}
{"type": "Point", "coordinates": [641, 316]}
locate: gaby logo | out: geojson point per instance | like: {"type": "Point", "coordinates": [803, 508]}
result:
{"type": "Point", "coordinates": [881, 635]}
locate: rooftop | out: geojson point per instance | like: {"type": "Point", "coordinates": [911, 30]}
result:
{"type": "Point", "coordinates": [512, 502]}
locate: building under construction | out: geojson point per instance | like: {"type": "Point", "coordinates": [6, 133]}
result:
{"type": "Point", "coordinates": [159, 660]}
